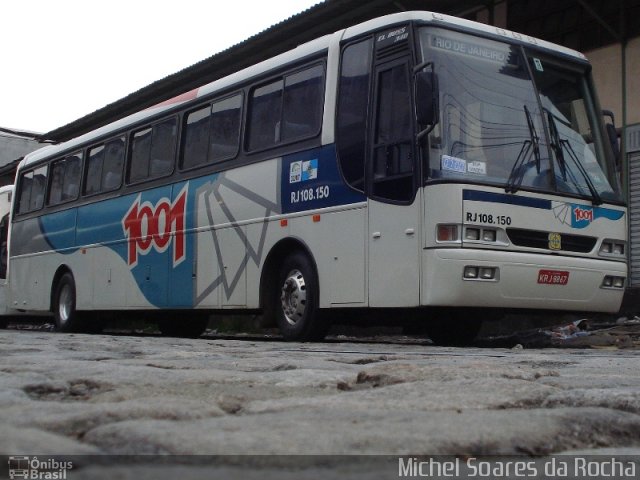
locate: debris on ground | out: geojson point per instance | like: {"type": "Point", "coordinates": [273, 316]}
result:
{"type": "Point", "coordinates": [583, 333]}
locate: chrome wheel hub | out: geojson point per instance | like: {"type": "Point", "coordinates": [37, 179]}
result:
{"type": "Point", "coordinates": [294, 297]}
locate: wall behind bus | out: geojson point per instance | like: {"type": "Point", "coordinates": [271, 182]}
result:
{"type": "Point", "coordinates": [12, 148]}
{"type": "Point", "coordinates": [608, 72]}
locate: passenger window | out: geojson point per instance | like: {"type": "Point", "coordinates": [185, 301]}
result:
{"type": "Point", "coordinates": [72, 175]}
{"type": "Point", "coordinates": [104, 167]}
{"type": "Point", "coordinates": [111, 177]}
{"type": "Point", "coordinates": [264, 120]}
{"type": "Point", "coordinates": [351, 121]}
{"type": "Point", "coordinates": [163, 148]}
{"type": "Point", "coordinates": [26, 184]}
{"type": "Point", "coordinates": [32, 189]}
{"type": "Point", "coordinates": [287, 109]}
{"type": "Point", "coordinates": [140, 151]}
{"type": "Point", "coordinates": [196, 138]}
{"type": "Point", "coordinates": [153, 151]}
{"type": "Point", "coordinates": [57, 179]}
{"type": "Point", "coordinates": [303, 102]}
{"type": "Point", "coordinates": [94, 170]}
{"type": "Point", "coordinates": [226, 116]}
{"type": "Point", "coordinates": [37, 191]}
{"type": "Point", "coordinates": [65, 179]}
{"type": "Point", "coordinates": [212, 134]}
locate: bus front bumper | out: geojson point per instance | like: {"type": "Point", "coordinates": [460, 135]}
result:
{"type": "Point", "coordinates": [521, 281]}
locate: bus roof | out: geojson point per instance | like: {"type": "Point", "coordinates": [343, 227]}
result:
{"type": "Point", "coordinates": [307, 49]}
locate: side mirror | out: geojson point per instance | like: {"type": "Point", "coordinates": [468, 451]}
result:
{"type": "Point", "coordinates": [427, 98]}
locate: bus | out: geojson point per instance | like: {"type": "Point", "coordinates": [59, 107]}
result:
{"type": "Point", "coordinates": [415, 166]}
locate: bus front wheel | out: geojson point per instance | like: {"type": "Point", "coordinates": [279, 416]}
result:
{"type": "Point", "coordinates": [297, 312]}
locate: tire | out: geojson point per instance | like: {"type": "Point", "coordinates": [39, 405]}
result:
{"type": "Point", "coordinates": [296, 304]}
{"type": "Point", "coordinates": [455, 328]}
{"type": "Point", "coordinates": [65, 315]}
{"type": "Point", "coordinates": [190, 326]}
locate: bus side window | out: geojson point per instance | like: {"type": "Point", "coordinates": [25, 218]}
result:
{"type": "Point", "coordinates": [226, 116]}
{"type": "Point", "coordinates": [92, 182]}
{"type": "Point", "coordinates": [38, 189]}
{"type": "Point", "coordinates": [65, 179]}
{"type": "Point", "coordinates": [57, 181]}
{"type": "Point", "coordinates": [71, 181]}
{"type": "Point", "coordinates": [26, 184]}
{"type": "Point", "coordinates": [286, 109]}
{"type": "Point", "coordinates": [140, 151]}
{"type": "Point", "coordinates": [104, 167]}
{"type": "Point", "coordinates": [303, 102]}
{"type": "Point", "coordinates": [264, 116]}
{"type": "Point", "coordinates": [195, 143]}
{"type": "Point", "coordinates": [33, 186]}
{"type": "Point", "coordinates": [153, 150]}
{"type": "Point", "coordinates": [163, 147]}
{"type": "Point", "coordinates": [113, 163]}
{"type": "Point", "coordinates": [351, 121]}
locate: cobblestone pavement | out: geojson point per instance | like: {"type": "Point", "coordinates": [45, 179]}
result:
{"type": "Point", "coordinates": [254, 403]}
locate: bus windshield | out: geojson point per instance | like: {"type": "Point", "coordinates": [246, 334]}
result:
{"type": "Point", "coordinates": [496, 128]}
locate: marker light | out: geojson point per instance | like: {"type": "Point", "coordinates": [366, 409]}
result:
{"type": "Point", "coordinates": [472, 234]}
{"type": "Point", "coordinates": [447, 233]}
{"type": "Point", "coordinates": [613, 282]}
{"type": "Point", "coordinates": [484, 235]}
{"type": "Point", "coordinates": [471, 272]}
{"type": "Point", "coordinates": [487, 273]}
{"type": "Point", "coordinates": [488, 235]}
{"type": "Point", "coordinates": [612, 248]}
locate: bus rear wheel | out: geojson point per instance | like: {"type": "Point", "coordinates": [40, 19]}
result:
{"type": "Point", "coordinates": [297, 312]}
{"type": "Point", "coordinates": [65, 315]}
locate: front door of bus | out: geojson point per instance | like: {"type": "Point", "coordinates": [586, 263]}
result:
{"type": "Point", "coordinates": [394, 200]}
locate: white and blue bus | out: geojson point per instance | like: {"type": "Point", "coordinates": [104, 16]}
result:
{"type": "Point", "coordinates": [415, 162]}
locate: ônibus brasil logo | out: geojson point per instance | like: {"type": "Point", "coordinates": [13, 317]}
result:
{"type": "Point", "coordinates": [148, 226]}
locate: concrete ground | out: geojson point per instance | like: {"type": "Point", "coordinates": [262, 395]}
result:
{"type": "Point", "coordinates": [334, 406]}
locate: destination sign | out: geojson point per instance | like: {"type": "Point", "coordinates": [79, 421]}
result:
{"type": "Point", "coordinates": [469, 48]}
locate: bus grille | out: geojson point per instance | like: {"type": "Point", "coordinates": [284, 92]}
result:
{"type": "Point", "coordinates": [540, 239]}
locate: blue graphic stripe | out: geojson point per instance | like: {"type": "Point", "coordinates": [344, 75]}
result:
{"type": "Point", "coordinates": [479, 196]}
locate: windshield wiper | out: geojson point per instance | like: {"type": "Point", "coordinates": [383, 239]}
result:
{"type": "Point", "coordinates": [558, 145]}
{"type": "Point", "coordinates": [529, 147]}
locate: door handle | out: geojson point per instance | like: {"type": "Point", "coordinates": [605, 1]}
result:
{"type": "Point", "coordinates": [409, 231]}
{"type": "Point", "coordinates": [376, 234]}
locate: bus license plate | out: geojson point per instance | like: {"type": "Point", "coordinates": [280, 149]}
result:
{"type": "Point", "coordinates": [553, 277]}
